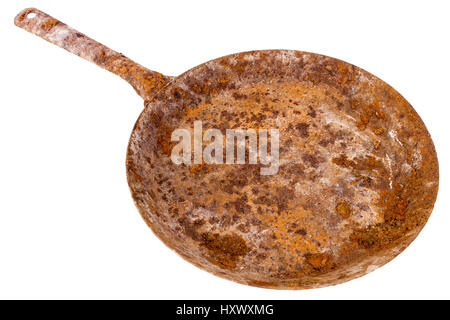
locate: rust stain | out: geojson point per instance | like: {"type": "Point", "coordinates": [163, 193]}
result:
{"type": "Point", "coordinates": [343, 209]}
{"type": "Point", "coordinates": [48, 24]}
{"type": "Point", "coordinates": [224, 250]}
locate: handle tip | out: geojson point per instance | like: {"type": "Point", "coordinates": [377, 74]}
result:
{"type": "Point", "coordinates": [24, 15]}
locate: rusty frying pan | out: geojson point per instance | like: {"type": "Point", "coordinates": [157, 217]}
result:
{"type": "Point", "coordinates": [357, 176]}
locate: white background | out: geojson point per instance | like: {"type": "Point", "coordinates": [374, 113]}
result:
{"type": "Point", "coordinates": [68, 225]}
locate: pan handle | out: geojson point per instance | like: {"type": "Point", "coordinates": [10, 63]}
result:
{"type": "Point", "coordinates": [146, 82]}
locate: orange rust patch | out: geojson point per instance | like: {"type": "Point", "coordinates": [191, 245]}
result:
{"type": "Point", "coordinates": [378, 131]}
{"type": "Point", "coordinates": [380, 114]}
{"type": "Point", "coordinates": [48, 24]}
{"type": "Point", "coordinates": [364, 120]}
{"type": "Point", "coordinates": [318, 260]}
{"type": "Point", "coordinates": [224, 250]}
{"type": "Point", "coordinates": [366, 163]}
{"type": "Point", "coordinates": [376, 144]}
{"type": "Point", "coordinates": [200, 168]}
{"type": "Point", "coordinates": [343, 209]}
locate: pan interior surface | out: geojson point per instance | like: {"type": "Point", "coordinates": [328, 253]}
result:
{"type": "Point", "coordinates": [356, 179]}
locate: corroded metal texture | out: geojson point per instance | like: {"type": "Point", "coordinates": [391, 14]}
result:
{"type": "Point", "coordinates": [358, 172]}
{"type": "Point", "coordinates": [144, 81]}
{"type": "Point", "coordinates": [357, 181]}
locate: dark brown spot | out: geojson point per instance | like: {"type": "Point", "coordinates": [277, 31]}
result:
{"type": "Point", "coordinates": [312, 160]}
{"type": "Point", "coordinates": [311, 112]}
{"type": "Point", "coordinates": [302, 129]}
{"type": "Point", "coordinates": [301, 232]}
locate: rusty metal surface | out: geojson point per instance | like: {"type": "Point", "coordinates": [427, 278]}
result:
{"type": "Point", "coordinates": [357, 181]}
{"type": "Point", "coordinates": [144, 81]}
{"type": "Point", "coordinates": [358, 172]}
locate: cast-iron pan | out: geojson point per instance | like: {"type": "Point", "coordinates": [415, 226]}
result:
{"type": "Point", "coordinates": [357, 176]}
